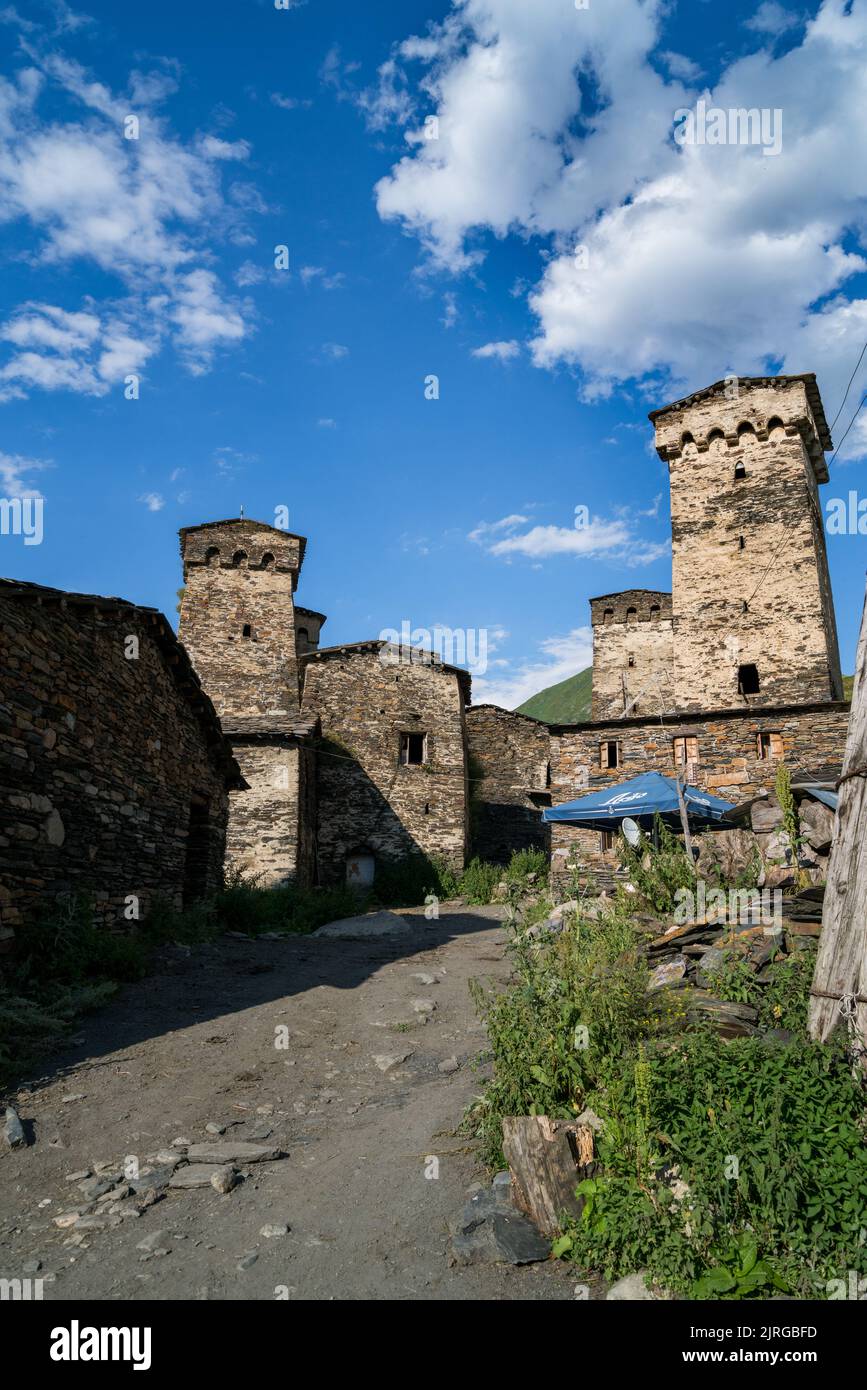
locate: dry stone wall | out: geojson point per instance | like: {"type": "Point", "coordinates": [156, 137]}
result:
{"type": "Point", "coordinates": [509, 771]}
{"type": "Point", "coordinates": [113, 765]}
{"type": "Point", "coordinates": [366, 797]}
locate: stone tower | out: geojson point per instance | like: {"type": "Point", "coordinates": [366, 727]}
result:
{"type": "Point", "coordinates": [632, 654]}
{"type": "Point", "coordinates": [238, 623]}
{"type": "Point", "coordinates": [753, 615]}
{"type": "Point", "coordinates": [238, 616]}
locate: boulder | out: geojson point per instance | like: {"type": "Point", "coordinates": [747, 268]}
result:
{"type": "Point", "coordinates": [490, 1231]}
{"type": "Point", "coordinates": [766, 814]}
{"type": "Point", "coordinates": [817, 825]}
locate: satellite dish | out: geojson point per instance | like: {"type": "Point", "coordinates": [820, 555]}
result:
{"type": "Point", "coordinates": [631, 831]}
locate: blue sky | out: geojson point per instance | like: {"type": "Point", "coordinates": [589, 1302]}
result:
{"type": "Point", "coordinates": [304, 127]}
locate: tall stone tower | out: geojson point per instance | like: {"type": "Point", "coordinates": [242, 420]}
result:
{"type": "Point", "coordinates": [237, 614]}
{"type": "Point", "coordinates": [753, 616]}
{"type": "Point", "coordinates": [633, 671]}
{"type": "Point", "coordinates": [238, 623]}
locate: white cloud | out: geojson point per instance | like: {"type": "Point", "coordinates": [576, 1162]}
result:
{"type": "Point", "coordinates": [680, 66]}
{"type": "Point", "coordinates": [699, 259]}
{"type": "Point", "coordinates": [141, 210]}
{"type": "Point", "coordinates": [562, 656]}
{"type": "Point", "coordinates": [503, 352]}
{"type": "Point", "coordinates": [335, 351]}
{"type": "Point", "coordinates": [13, 468]}
{"type": "Point", "coordinates": [485, 530]}
{"type": "Point", "coordinates": [317, 274]}
{"type": "Point", "coordinates": [771, 18]}
{"type": "Point", "coordinates": [288, 103]}
{"type": "Point", "coordinates": [153, 501]}
{"type": "Point", "coordinates": [325, 423]}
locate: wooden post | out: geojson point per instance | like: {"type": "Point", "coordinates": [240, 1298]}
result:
{"type": "Point", "coordinates": [841, 964]}
{"type": "Point", "coordinates": [684, 820]}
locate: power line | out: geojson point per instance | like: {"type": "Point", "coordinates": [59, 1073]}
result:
{"type": "Point", "coordinates": [848, 388]}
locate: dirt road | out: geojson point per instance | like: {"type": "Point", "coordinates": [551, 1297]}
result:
{"type": "Point", "coordinates": [200, 1043]}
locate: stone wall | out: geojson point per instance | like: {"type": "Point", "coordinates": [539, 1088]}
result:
{"type": "Point", "coordinates": [633, 660]}
{"type": "Point", "coordinates": [508, 756]}
{"type": "Point", "coordinates": [237, 614]}
{"type": "Point", "coordinates": [750, 578]}
{"type": "Point", "coordinates": [366, 699]}
{"type": "Point", "coordinates": [813, 737]}
{"type": "Point", "coordinates": [272, 816]}
{"type": "Point", "coordinates": [114, 767]}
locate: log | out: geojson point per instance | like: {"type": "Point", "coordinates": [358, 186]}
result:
{"type": "Point", "coordinates": [547, 1159]}
{"type": "Point", "coordinates": [841, 963]}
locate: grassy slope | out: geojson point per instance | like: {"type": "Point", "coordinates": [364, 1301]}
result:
{"type": "Point", "coordinates": [568, 702]}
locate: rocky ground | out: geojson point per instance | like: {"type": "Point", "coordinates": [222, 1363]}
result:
{"type": "Point", "coordinates": [353, 1058]}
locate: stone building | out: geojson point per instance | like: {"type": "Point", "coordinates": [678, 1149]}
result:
{"type": "Point", "coordinates": [509, 761]}
{"type": "Point", "coordinates": [347, 753]}
{"type": "Point", "coordinates": [114, 767]}
{"type": "Point", "coordinates": [392, 761]}
{"type": "Point", "coordinates": [346, 758]}
{"type": "Point", "coordinates": [738, 668]}
{"type": "Point", "coordinates": [633, 653]}
{"type": "Point", "coordinates": [239, 623]}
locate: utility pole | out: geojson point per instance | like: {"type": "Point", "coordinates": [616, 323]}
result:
{"type": "Point", "coordinates": [840, 978]}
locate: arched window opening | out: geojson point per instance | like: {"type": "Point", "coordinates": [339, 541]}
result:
{"type": "Point", "coordinates": [776, 428]}
{"type": "Point", "coordinates": [608, 615]}
{"type": "Point", "coordinates": [654, 612]}
{"type": "Point", "coordinates": [247, 630]}
{"type": "Point", "coordinates": [740, 469]}
{"type": "Point", "coordinates": [632, 615]}
{"type": "Point", "coordinates": [212, 555]}
{"type": "Point", "coordinates": [268, 561]}
{"type": "Point", "coordinates": [239, 557]}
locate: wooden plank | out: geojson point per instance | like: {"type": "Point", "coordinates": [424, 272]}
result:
{"type": "Point", "coordinates": [841, 963]}
{"type": "Point", "coordinates": [547, 1159]}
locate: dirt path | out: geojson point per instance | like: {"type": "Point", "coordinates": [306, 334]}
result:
{"type": "Point", "coordinates": [195, 1044]}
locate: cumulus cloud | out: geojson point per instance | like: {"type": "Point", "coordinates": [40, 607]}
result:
{"type": "Point", "coordinates": [13, 475]}
{"type": "Point", "coordinates": [143, 210]}
{"type": "Point", "coordinates": [591, 536]}
{"type": "Point", "coordinates": [694, 260]}
{"type": "Point", "coordinates": [771, 18]}
{"type": "Point", "coordinates": [153, 501]}
{"type": "Point", "coordinates": [560, 657]}
{"type": "Point", "coordinates": [503, 352]}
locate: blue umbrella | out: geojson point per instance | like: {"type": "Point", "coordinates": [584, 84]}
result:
{"type": "Point", "coordinates": [641, 798]}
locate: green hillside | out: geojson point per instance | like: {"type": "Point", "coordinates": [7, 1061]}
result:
{"type": "Point", "coordinates": [568, 702]}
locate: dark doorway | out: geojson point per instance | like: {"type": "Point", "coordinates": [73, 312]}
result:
{"type": "Point", "coordinates": [748, 680]}
{"type": "Point", "coordinates": [198, 852]}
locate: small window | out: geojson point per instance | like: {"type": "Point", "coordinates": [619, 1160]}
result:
{"type": "Point", "coordinates": [769, 746]}
{"type": "Point", "coordinates": [540, 798]}
{"type": "Point", "coordinates": [741, 543]}
{"type": "Point", "coordinates": [239, 557]}
{"type": "Point", "coordinates": [630, 660]}
{"type": "Point", "coordinates": [748, 680]}
{"type": "Point", "coordinates": [740, 469]}
{"type": "Point", "coordinates": [654, 612]}
{"type": "Point", "coordinates": [632, 615]}
{"type": "Point", "coordinates": [247, 630]}
{"type": "Point", "coordinates": [606, 841]}
{"type": "Point", "coordinates": [212, 555]}
{"type": "Point", "coordinates": [267, 560]}
{"type": "Point", "coordinates": [685, 750]}
{"type": "Point", "coordinates": [413, 749]}
{"type": "Point", "coordinates": [609, 753]}
{"type": "Point", "coordinates": [608, 615]}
